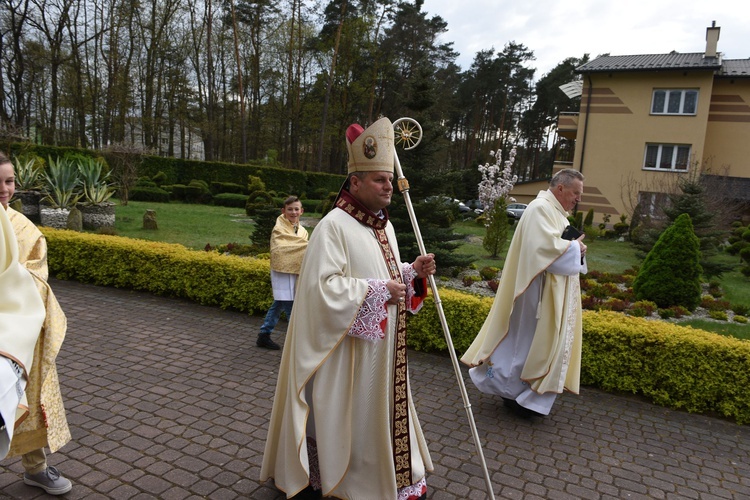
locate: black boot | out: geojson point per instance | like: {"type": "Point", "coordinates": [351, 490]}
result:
{"type": "Point", "coordinates": [264, 340]}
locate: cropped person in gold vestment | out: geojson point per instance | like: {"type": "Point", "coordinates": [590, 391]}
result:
{"type": "Point", "coordinates": [343, 423]}
{"type": "Point", "coordinates": [46, 424]}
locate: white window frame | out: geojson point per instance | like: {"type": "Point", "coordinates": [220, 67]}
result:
{"type": "Point", "coordinates": [674, 92]}
{"type": "Point", "coordinates": [664, 149]}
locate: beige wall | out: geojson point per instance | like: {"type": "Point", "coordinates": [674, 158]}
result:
{"type": "Point", "coordinates": [727, 149]}
{"type": "Point", "coordinates": [619, 126]}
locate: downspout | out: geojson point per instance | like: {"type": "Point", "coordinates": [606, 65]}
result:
{"type": "Point", "coordinates": [586, 122]}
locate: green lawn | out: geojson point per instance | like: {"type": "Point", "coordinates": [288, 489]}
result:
{"type": "Point", "coordinates": [191, 225]}
{"type": "Point", "coordinates": [603, 255]}
{"type": "Point", "coordinates": [740, 331]}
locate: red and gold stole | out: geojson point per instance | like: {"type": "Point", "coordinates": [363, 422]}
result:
{"type": "Point", "coordinates": [400, 420]}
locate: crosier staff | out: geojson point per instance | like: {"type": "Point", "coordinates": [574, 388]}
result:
{"type": "Point", "coordinates": [408, 134]}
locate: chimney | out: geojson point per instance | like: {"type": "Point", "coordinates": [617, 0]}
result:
{"type": "Point", "coordinates": [712, 39]}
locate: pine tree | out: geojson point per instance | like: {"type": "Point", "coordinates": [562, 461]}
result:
{"type": "Point", "coordinates": [671, 273]}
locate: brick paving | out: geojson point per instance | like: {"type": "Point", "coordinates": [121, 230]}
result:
{"type": "Point", "coordinates": [168, 399]}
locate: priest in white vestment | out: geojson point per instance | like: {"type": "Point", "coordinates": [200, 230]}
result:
{"type": "Point", "coordinates": [343, 423]}
{"type": "Point", "coordinates": [529, 348]}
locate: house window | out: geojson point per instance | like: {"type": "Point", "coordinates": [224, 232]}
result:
{"type": "Point", "coordinates": [652, 204]}
{"type": "Point", "coordinates": [667, 157]}
{"type": "Point", "coordinates": [674, 102]}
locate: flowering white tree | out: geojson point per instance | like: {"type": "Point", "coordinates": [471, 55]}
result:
{"type": "Point", "coordinates": [497, 181]}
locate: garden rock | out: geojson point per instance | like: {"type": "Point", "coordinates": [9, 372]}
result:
{"type": "Point", "coordinates": [75, 220]}
{"type": "Point", "coordinates": [149, 220]}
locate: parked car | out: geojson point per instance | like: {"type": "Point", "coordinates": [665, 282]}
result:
{"type": "Point", "coordinates": [462, 208]}
{"type": "Point", "coordinates": [515, 210]}
{"type": "Point", "coordinates": [476, 206]}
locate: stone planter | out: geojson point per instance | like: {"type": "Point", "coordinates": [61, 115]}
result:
{"type": "Point", "coordinates": [54, 217]}
{"type": "Point", "coordinates": [98, 216]}
{"type": "Point", "coordinates": [30, 202]}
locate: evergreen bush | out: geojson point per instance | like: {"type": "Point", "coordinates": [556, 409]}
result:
{"type": "Point", "coordinates": [671, 273]}
{"type": "Point", "coordinates": [154, 194]}
{"type": "Point", "coordinates": [230, 200]}
{"type": "Point", "coordinates": [259, 198]}
{"type": "Point", "coordinates": [588, 221]}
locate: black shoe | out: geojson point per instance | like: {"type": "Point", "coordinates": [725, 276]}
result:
{"type": "Point", "coordinates": [519, 410]}
{"type": "Point", "coordinates": [264, 340]}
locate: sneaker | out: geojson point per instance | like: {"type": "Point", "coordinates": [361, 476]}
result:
{"type": "Point", "coordinates": [50, 480]}
{"type": "Point", "coordinates": [265, 341]}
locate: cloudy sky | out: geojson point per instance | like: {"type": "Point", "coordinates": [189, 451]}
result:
{"type": "Point", "coordinates": [556, 29]}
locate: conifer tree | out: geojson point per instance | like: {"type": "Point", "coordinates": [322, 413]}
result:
{"type": "Point", "coordinates": [671, 273]}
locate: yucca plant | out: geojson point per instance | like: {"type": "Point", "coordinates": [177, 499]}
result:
{"type": "Point", "coordinates": [62, 188]}
{"type": "Point", "coordinates": [95, 180]}
{"type": "Point", "coordinates": [29, 173]}
{"type": "Point", "coordinates": [97, 194]}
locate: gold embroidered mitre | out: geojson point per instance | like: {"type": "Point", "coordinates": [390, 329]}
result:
{"type": "Point", "coordinates": [370, 149]}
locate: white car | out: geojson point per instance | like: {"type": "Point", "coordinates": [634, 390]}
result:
{"type": "Point", "coordinates": [515, 210]}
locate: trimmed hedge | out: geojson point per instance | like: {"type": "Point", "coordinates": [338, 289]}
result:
{"type": "Point", "coordinates": [208, 278]}
{"type": "Point", "coordinates": [230, 200]}
{"type": "Point", "coordinates": [281, 180]}
{"type": "Point", "coordinates": [179, 171]}
{"type": "Point", "coordinates": [154, 194]}
{"type": "Point", "coordinates": [673, 366]}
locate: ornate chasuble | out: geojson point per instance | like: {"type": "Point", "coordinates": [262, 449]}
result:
{"type": "Point", "coordinates": [400, 417]}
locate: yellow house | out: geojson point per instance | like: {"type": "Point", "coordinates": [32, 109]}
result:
{"type": "Point", "coordinates": [647, 120]}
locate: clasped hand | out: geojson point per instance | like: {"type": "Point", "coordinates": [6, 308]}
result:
{"type": "Point", "coordinates": [424, 266]}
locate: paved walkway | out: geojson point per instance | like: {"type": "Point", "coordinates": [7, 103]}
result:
{"type": "Point", "coordinates": [169, 399]}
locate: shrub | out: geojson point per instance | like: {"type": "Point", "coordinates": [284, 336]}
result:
{"type": "Point", "coordinates": [712, 304]}
{"type": "Point", "coordinates": [227, 187]}
{"type": "Point", "coordinates": [310, 205]}
{"type": "Point", "coordinates": [740, 319]}
{"type": "Point", "coordinates": [672, 312]}
{"type": "Point", "coordinates": [671, 273]}
{"type": "Point", "coordinates": [493, 284]}
{"type": "Point", "coordinates": [587, 284]}
{"type": "Point", "coordinates": [470, 280]}
{"type": "Point", "coordinates": [614, 304]}
{"type": "Point", "coordinates": [160, 178]}
{"type": "Point", "coordinates": [621, 227]}
{"type": "Point", "coordinates": [666, 313]}
{"type": "Point", "coordinates": [488, 272]}
{"type": "Point", "coordinates": [720, 315]}
{"type": "Point", "coordinates": [153, 194]}
{"type": "Point", "coordinates": [637, 311]}
{"type": "Point", "coordinates": [590, 302]}
{"type": "Point", "coordinates": [671, 365]}
{"type": "Point", "coordinates": [165, 269]}
{"type": "Point", "coordinates": [230, 200]}
{"type": "Point", "coordinates": [679, 311]}
{"type": "Point", "coordinates": [588, 221]}
{"type": "Point", "coordinates": [741, 309]}
{"type": "Point", "coordinates": [647, 306]}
